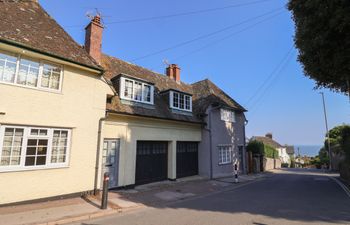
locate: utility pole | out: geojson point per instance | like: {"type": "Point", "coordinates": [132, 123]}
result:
{"type": "Point", "coordinates": [328, 140]}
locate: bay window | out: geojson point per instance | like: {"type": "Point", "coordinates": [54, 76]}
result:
{"type": "Point", "coordinates": [180, 101]}
{"type": "Point", "coordinates": [137, 91]}
{"type": "Point", "coordinates": [24, 148]}
{"type": "Point", "coordinates": [27, 72]}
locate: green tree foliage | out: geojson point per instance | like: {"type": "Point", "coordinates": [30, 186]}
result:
{"type": "Point", "coordinates": [256, 147]}
{"type": "Point", "coordinates": [339, 137]}
{"type": "Point", "coordinates": [323, 39]}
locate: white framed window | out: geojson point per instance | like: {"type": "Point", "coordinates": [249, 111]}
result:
{"type": "Point", "coordinates": [180, 101]}
{"type": "Point", "coordinates": [227, 115]}
{"type": "Point", "coordinates": [23, 71]}
{"type": "Point", "coordinates": [136, 91]}
{"type": "Point", "coordinates": [23, 148]}
{"type": "Point", "coordinates": [225, 154]}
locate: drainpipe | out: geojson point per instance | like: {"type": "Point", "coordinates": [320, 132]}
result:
{"type": "Point", "coordinates": [245, 146]}
{"type": "Point", "coordinates": [210, 142]}
{"type": "Point", "coordinates": [97, 165]}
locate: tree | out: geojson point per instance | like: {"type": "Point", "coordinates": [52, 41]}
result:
{"type": "Point", "coordinates": [323, 39]}
{"type": "Point", "coordinates": [256, 147]}
{"type": "Point", "coordinates": [339, 137]}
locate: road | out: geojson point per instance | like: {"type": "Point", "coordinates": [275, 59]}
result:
{"type": "Point", "coordinates": [286, 197]}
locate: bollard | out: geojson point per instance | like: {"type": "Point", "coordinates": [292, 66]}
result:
{"type": "Point", "coordinates": [236, 173]}
{"type": "Point", "coordinates": [105, 190]}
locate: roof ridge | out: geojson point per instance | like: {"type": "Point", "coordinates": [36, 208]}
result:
{"type": "Point", "coordinates": [163, 76]}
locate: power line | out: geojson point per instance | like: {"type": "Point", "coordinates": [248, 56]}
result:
{"type": "Point", "coordinates": [144, 19]}
{"type": "Point", "coordinates": [269, 77]}
{"type": "Point", "coordinates": [268, 88]}
{"type": "Point", "coordinates": [205, 35]}
{"type": "Point", "coordinates": [226, 37]}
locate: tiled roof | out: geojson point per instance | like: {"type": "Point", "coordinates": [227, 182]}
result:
{"type": "Point", "coordinates": [267, 141]}
{"type": "Point", "coordinates": [114, 67]}
{"type": "Point", "coordinates": [26, 24]}
{"type": "Point", "coordinates": [290, 150]}
{"type": "Point", "coordinates": [207, 93]}
{"type": "Point", "coordinates": [204, 92]}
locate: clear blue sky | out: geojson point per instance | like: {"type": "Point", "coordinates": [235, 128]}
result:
{"type": "Point", "coordinates": [240, 60]}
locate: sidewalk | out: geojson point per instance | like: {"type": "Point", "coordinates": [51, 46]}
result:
{"type": "Point", "coordinates": [152, 195]}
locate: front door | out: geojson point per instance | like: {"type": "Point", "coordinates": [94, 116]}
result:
{"type": "Point", "coordinates": [110, 160]}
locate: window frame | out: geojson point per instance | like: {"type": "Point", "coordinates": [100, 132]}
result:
{"type": "Point", "coordinates": [171, 102]}
{"type": "Point", "coordinates": [224, 111]}
{"type": "Point", "coordinates": [26, 136]}
{"type": "Point", "coordinates": [143, 97]}
{"type": "Point", "coordinates": [230, 150]}
{"type": "Point", "coordinates": [41, 68]}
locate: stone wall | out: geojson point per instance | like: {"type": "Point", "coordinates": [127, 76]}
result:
{"type": "Point", "coordinates": [270, 164]}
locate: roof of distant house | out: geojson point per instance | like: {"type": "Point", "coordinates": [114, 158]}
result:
{"type": "Point", "coordinates": [267, 141]}
{"type": "Point", "coordinates": [27, 25]}
{"type": "Point", "coordinates": [290, 149]}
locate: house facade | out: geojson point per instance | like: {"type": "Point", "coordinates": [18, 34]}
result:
{"type": "Point", "coordinates": [72, 113]}
{"type": "Point", "coordinates": [52, 97]}
{"type": "Point", "coordinates": [282, 150]}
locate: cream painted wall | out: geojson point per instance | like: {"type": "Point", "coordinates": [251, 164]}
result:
{"type": "Point", "coordinates": [131, 129]}
{"type": "Point", "coordinates": [80, 106]}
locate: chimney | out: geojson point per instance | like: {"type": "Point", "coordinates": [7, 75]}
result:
{"type": "Point", "coordinates": [173, 72]}
{"type": "Point", "coordinates": [269, 135]}
{"type": "Point", "coordinates": [93, 38]}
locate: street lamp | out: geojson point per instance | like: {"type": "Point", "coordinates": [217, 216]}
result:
{"type": "Point", "coordinates": [328, 140]}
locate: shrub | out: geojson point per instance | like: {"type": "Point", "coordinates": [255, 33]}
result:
{"type": "Point", "coordinates": [270, 152]}
{"type": "Point", "coordinates": [256, 147]}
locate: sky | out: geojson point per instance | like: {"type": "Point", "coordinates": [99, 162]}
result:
{"type": "Point", "coordinates": [244, 46]}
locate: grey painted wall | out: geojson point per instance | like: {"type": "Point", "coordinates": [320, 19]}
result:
{"type": "Point", "coordinates": [222, 133]}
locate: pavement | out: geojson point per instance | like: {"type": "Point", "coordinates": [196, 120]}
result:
{"type": "Point", "coordinates": [285, 197]}
{"type": "Point", "coordinates": [146, 196]}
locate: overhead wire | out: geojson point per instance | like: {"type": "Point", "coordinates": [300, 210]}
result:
{"type": "Point", "coordinates": [144, 19]}
{"type": "Point", "coordinates": [204, 36]}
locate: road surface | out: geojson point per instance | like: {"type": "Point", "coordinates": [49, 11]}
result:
{"type": "Point", "coordinates": [287, 197]}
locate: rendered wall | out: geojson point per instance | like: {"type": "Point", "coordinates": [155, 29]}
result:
{"type": "Point", "coordinates": [79, 107]}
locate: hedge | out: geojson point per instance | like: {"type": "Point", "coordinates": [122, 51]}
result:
{"type": "Point", "coordinates": [270, 152]}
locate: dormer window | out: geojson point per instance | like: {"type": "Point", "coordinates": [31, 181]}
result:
{"type": "Point", "coordinates": [180, 101]}
{"type": "Point", "coordinates": [134, 90]}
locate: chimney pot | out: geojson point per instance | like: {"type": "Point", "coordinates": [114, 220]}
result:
{"type": "Point", "coordinates": [93, 38]}
{"type": "Point", "coordinates": [173, 72]}
{"type": "Point", "coordinates": [269, 135]}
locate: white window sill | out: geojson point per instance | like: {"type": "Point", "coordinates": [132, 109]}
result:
{"type": "Point", "coordinates": [31, 168]}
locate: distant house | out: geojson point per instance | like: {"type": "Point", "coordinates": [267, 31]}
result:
{"type": "Point", "coordinates": [282, 150]}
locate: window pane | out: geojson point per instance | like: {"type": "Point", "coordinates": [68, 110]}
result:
{"type": "Point", "coordinates": [28, 73]}
{"type": "Point", "coordinates": [59, 143]}
{"type": "Point", "coordinates": [181, 101]}
{"type": "Point", "coordinates": [147, 93]}
{"type": "Point", "coordinates": [12, 146]}
{"type": "Point", "coordinates": [41, 160]}
{"type": "Point", "coordinates": [128, 92]}
{"type": "Point", "coordinates": [36, 152]}
{"type": "Point", "coordinates": [187, 102]}
{"type": "Point", "coordinates": [7, 68]}
{"type": "Point", "coordinates": [175, 100]}
{"type": "Point", "coordinates": [138, 91]}
{"type": "Point", "coordinates": [30, 161]}
{"type": "Point", "coordinates": [34, 132]}
{"type": "Point", "coordinates": [51, 77]}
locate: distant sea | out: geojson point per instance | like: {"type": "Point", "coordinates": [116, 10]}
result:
{"type": "Point", "coordinates": [309, 150]}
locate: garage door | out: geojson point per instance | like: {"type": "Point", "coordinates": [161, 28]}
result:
{"type": "Point", "coordinates": [186, 159]}
{"type": "Point", "coordinates": [151, 161]}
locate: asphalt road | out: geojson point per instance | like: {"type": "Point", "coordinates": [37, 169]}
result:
{"type": "Point", "coordinates": [287, 197]}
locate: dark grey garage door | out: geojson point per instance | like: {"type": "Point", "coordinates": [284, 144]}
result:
{"type": "Point", "coordinates": [151, 161]}
{"type": "Point", "coordinates": [186, 159]}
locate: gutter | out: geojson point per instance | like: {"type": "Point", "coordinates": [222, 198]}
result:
{"type": "Point", "coordinates": [97, 165]}
{"type": "Point", "coordinates": [19, 45]}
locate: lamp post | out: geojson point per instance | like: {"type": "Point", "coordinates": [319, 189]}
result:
{"type": "Point", "coordinates": [328, 140]}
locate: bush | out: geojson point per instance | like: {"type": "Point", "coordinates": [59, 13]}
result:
{"type": "Point", "coordinates": [270, 152]}
{"type": "Point", "coordinates": [256, 147]}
